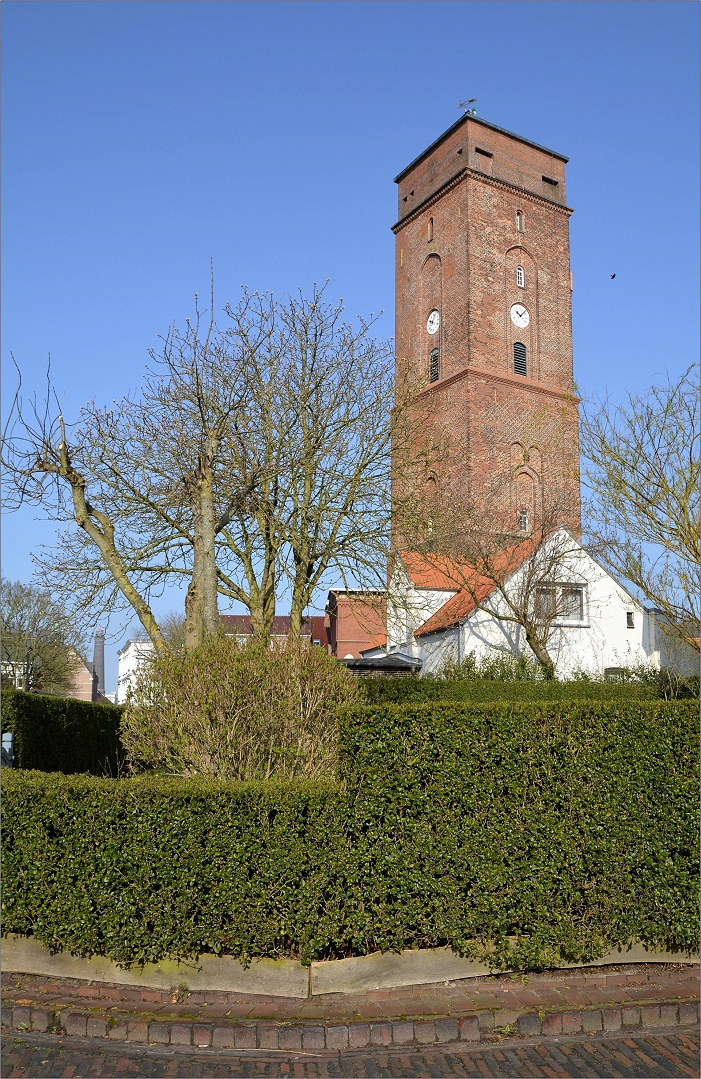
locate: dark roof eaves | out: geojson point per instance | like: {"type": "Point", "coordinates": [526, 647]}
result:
{"type": "Point", "coordinates": [486, 123]}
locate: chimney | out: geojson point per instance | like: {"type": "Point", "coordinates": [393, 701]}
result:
{"type": "Point", "coordinates": [98, 663]}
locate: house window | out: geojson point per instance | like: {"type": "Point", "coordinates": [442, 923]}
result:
{"type": "Point", "coordinates": [630, 620]}
{"type": "Point", "coordinates": [430, 229]}
{"type": "Point", "coordinates": [523, 521]}
{"type": "Point", "coordinates": [545, 603]}
{"type": "Point", "coordinates": [520, 277]}
{"type": "Point", "coordinates": [433, 368]}
{"type": "Point", "coordinates": [520, 359]}
{"type": "Point", "coordinates": [560, 603]}
{"type": "Point", "coordinates": [519, 221]}
{"type": "Point", "coordinates": [573, 604]}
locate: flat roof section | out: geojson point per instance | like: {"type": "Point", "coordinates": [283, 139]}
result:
{"type": "Point", "coordinates": [485, 123]}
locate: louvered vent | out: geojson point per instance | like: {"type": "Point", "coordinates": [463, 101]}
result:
{"type": "Point", "coordinates": [520, 359]}
{"type": "Point", "coordinates": [433, 366]}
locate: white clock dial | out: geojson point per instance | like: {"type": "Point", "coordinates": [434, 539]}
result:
{"type": "Point", "coordinates": [519, 316]}
{"type": "Point", "coordinates": [434, 321]}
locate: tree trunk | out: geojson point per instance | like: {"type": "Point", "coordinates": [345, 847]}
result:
{"type": "Point", "coordinates": [101, 532]}
{"type": "Point", "coordinates": [201, 606]}
{"type": "Point", "coordinates": [541, 653]}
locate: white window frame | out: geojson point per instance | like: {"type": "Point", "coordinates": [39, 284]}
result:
{"type": "Point", "coordinates": [520, 277]}
{"type": "Point", "coordinates": [560, 620]}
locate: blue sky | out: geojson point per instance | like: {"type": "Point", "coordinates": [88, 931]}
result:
{"type": "Point", "coordinates": [141, 140]}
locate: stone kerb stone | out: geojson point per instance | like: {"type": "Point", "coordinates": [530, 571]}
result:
{"type": "Point", "coordinates": [285, 977]}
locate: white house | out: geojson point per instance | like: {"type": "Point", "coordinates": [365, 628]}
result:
{"type": "Point", "coordinates": [130, 658]}
{"type": "Point", "coordinates": [599, 625]}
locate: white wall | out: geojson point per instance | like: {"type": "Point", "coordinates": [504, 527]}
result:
{"type": "Point", "coordinates": [602, 639]}
{"type": "Point", "coordinates": [409, 607]}
{"type": "Point", "coordinates": [130, 658]}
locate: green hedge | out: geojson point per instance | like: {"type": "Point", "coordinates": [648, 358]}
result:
{"type": "Point", "coordinates": [423, 690]}
{"type": "Point", "coordinates": [58, 734]}
{"type": "Point", "coordinates": [529, 833]}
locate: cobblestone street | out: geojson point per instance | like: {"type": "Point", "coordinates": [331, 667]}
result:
{"type": "Point", "coordinates": [663, 1054]}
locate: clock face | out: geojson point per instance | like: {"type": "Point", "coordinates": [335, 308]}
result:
{"type": "Point", "coordinates": [434, 321]}
{"type": "Point", "coordinates": [519, 316]}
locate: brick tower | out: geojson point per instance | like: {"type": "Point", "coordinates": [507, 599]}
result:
{"type": "Point", "coordinates": [483, 319]}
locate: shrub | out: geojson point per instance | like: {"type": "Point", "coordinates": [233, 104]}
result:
{"type": "Point", "coordinates": [527, 834]}
{"type": "Point", "coordinates": [417, 690]}
{"type": "Point", "coordinates": [59, 734]}
{"type": "Point", "coordinates": [498, 667]}
{"type": "Point", "coordinates": [238, 711]}
{"type": "Point", "coordinates": [152, 867]}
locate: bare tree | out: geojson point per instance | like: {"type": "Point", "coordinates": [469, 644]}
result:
{"type": "Point", "coordinates": [147, 483]}
{"type": "Point", "coordinates": [253, 456]}
{"type": "Point", "coordinates": [322, 417]}
{"type": "Point", "coordinates": [39, 646]}
{"type": "Point", "coordinates": [644, 476]}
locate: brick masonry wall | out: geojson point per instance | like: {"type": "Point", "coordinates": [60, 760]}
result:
{"type": "Point", "coordinates": [458, 247]}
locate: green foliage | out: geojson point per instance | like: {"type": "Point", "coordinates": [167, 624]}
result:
{"type": "Point", "coordinates": [497, 667]}
{"type": "Point", "coordinates": [234, 710]}
{"type": "Point", "coordinates": [570, 826]}
{"type": "Point", "coordinates": [470, 690]}
{"type": "Point", "coordinates": [39, 644]}
{"type": "Point", "coordinates": [58, 734]}
{"type": "Point", "coordinates": [527, 833]}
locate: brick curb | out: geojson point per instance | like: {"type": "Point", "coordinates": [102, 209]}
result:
{"type": "Point", "coordinates": [142, 1029]}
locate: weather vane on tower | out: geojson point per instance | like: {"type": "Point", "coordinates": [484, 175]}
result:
{"type": "Point", "coordinates": [466, 106]}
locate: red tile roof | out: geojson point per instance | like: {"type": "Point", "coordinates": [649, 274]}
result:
{"type": "Point", "coordinates": [241, 624]}
{"type": "Point", "coordinates": [377, 642]}
{"type": "Point", "coordinates": [429, 571]}
{"type": "Point", "coordinates": [434, 569]}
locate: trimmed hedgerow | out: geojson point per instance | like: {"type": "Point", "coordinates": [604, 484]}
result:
{"type": "Point", "coordinates": [59, 734]}
{"type": "Point", "coordinates": [528, 833]}
{"type": "Point", "coordinates": [142, 869]}
{"type": "Point", "coordinates": [413, 690]}
{"type": "Point", "coordinates": [570, 826]}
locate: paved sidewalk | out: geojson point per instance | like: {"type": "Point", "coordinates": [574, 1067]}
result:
{"type": "Point", "coordinates": [664, 1054]}
{"type": "Point", "coordinates": [606, 999]}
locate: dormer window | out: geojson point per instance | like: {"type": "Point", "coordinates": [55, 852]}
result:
{"type": "Point", "coordinates": [520, 277]}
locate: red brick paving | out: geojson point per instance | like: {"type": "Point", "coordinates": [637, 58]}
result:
{"type": "Point", "coordinates": [663, 1054]}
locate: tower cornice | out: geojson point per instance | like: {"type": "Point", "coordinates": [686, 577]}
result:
{"type": "Point", "coordinates": [475, 174]}
{"type": "Point", "coordinates": [491, 376]}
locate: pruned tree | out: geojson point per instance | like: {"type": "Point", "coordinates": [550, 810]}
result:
{"type": "Point", "coordinates": [254, 456]}
{"type": "Point", "coordinates": [644, 478]}
{"type": "Point", "coordinates": [40, 648]}
{"type": "Point", "coordinates": [147, 483]}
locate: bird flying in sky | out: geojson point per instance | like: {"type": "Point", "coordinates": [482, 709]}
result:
{"type": "Point", "coordinates": [612, 276]}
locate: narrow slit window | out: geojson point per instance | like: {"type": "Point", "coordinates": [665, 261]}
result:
{"type": "Point", "coordinates": [430, 229]}
{"type": "Point", "coordinates": [630, 620]}
{"type": "Point", "coordinates": [520, 277]}
{"type": "Point", "coordinates": [520, 358]}
{"type": "Point", "coordinates": [549, 180]}
{"type": "Point", "coordinates": [523, 521]}
{"type": "Point", "coordinates": [433, 366]}
{"type": "Point", "coordinates": [519, 221]}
